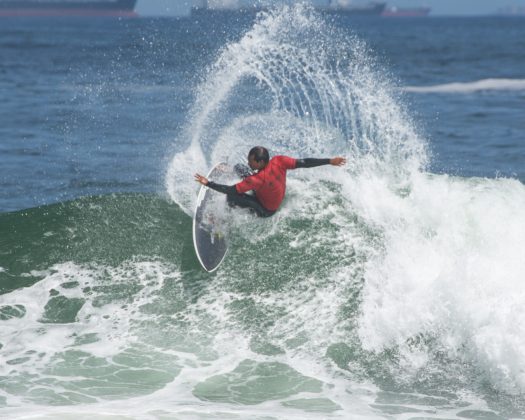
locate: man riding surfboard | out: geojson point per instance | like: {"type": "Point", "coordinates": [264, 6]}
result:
{"type": "Point", "coordinates": [268, 183]}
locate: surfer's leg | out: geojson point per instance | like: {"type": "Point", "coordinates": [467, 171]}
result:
{"type": "Point", "coordinates": [249, 202]}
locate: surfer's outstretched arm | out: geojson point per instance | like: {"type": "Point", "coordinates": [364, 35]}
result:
{"type": "Point", "coordinates": [312, 162]}
{"type": "Point", "coordinates": [225, 189]}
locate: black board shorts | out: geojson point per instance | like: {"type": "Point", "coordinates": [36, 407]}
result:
{"type": "Point", "coordinates": [250, 202]}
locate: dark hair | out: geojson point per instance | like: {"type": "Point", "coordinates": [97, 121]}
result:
{"type": "Point", "coordinates": [259, 154]}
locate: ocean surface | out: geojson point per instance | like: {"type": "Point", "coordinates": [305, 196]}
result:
{"type": "Point", "coordinates": [391, 288]}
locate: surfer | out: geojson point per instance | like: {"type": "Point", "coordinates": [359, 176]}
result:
{"type": "Point", "coordinates": [268, 180]}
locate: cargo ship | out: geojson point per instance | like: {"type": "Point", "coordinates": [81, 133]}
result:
{"type": "Point", "coordinates": [119, 8]}
{"type": "Point", "coordinates": [406, 12]}
{"type": "Point", "coordinates": [226, 11]}
{"type": "Point", "coordinates": [511, 11]}
{"type": "Point", "coordinates": [348, 8]}
{"type": "Point", "coordinates": [344, 7]}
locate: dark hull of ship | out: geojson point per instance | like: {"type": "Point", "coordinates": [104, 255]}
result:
{"type": "Point", "coordinates": [374, 9]}
{"type": "Point", "coordinates": [416, 12]}
{"type": "Point", "coordinates": [200, 11]}
{"type": "Point", "coordinates": [124, 8]}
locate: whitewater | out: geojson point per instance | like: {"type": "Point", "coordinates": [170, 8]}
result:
{"type": "Point", "coordinates": [380, 290]}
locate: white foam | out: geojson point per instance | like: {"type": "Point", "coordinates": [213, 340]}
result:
{"type": "Point", "coordinates": [471, 87]}
{"type": "Point", "coordinates": [109, 322]}
{"type": "Point", "coordinates": [311, 310]}
{"type": "Point", "coordinates": [452, 268]}
{"type": "Point", "coordinates": [127, 291]}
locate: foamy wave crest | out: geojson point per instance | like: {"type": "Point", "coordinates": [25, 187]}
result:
{"type": "Point", "coordinates": [450, 278]}
{"type": "Point", "coordinates": [470, 87]}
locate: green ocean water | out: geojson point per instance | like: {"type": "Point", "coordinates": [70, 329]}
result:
{"type": "Point", "coordinates": [105, 229]}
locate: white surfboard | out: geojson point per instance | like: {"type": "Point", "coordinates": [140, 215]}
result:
{"type": "Point", "coordinates": [209, 224]}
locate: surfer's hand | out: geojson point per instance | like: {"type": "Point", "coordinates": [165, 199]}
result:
{"type": "Point", "coordinates": [201, 179]}
{"type": "Point", "coordinates": [338, 161]}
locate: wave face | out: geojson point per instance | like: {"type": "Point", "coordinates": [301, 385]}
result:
{"type": "Point", "coordinates": [378, 289]}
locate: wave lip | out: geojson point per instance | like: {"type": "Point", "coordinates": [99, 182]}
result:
{"type": "Point", "coordinates": [470, 87]}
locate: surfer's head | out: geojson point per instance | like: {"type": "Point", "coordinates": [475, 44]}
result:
{"type": "Point", "coordinates": [258, 157]}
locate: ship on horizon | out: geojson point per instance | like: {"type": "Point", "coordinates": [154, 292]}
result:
{"type": "Point", "coordinates": [511, 11]}
{"type": "Point", "coordinates": [21, 8]}
{"type": "Point", "coordinates": [205, 7]}
{"type": "Point", "coordinates": [406, 12]}
{"type": "Point", "coordinates": [345, 7]}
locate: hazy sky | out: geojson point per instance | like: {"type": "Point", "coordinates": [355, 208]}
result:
{"type": "Point", "coordinates": [439, 7]}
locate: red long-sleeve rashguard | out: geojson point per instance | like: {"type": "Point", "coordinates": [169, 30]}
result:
{"type": "Point", "coordinates": [269, 183]}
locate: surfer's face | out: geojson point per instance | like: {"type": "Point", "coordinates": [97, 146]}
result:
{"type": "Point", "coordinates": [254, 165]}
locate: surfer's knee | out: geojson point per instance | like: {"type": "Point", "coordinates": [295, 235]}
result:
{"type": "Point", "coordinates": [230, 199]}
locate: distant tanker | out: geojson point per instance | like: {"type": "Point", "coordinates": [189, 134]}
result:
{"type": "Point", "coordinates": [406, 12]}
{"type": "Point", "coordinates": [347, 8]}
{"type": "Point", "coordinates": [204, 7]}
{"type": "Point", "coordinates": [67, 8]}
